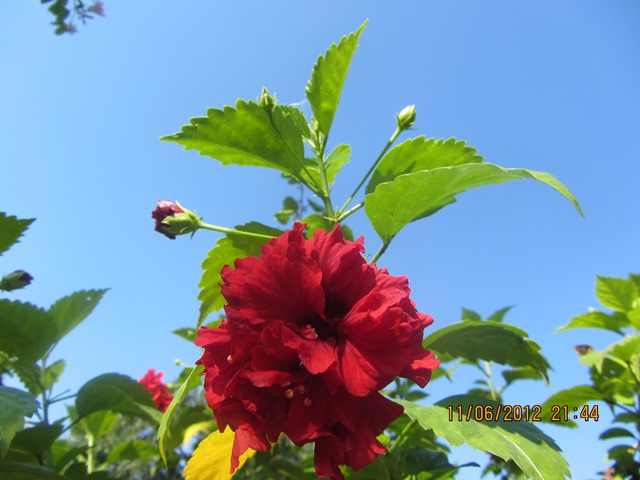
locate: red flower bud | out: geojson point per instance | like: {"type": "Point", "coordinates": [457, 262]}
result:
{"type": "Point", "coordinates": [172, 219]}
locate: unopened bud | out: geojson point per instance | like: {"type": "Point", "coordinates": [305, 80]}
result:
{"type": "Point", "coordinates": [15, 280]}
{"type": "Point", "coordinates": [406, 117]}
{"type": "Point", "coordinates": [173, 219]}
{"type": "Point", "coordinates": [266, 101]}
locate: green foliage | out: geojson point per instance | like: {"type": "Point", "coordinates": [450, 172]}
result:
{"type": "Point", "coordinates": [418, 154]}
{"type": "Point", "coordinates": [534, 452]}
{"type": "Point", "coordinates": [115, 392]}
{"type": "Point", "coordinates": [164, 432]}
{"type": "Point", "coordinates": [412, 196]}
{"type": "Point", "coordinates": [11, 229]}
{"type": "Point", "coordinates": [614, 371]}
{"type": "Point", "coordinates": [475, 340]}
{"type": "Point", "coordinates": [328, 77]}
{"type": "Point", "coordinates": [14, 406]}
{"type": "Point", "coordinates": [27, 331]}
{"type": "Point", "coordinates": [248, 135]}
{"type": "Point", "coordinates": [70, 311]}
{"type": "Point", "coordinates": [132, 450]}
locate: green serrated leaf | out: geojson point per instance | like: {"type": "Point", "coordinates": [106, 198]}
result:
{"type": "Point", "coordinates": [417, 154]}
{"type": "Point", "coordinates": [69, 311]}
{"type": "Point", "coordinates": [617, 294]}
{"type": "Point", "coordinates": [496, 342]}
{"type": "Point", "coordinates": [11, 229]}
{"type": "Point", "coordinates": [613, 322]}
{"type": "Point", "coordinates": [27, 331]}
{"type": "Point", "coordinates": [337, 159]}
{"type": "Point", "coordinates": [574, 397]}
{"type": "Point", "coordinates": [534, 452]}
{"type": "Point", "coordinates": [328, 77]}
{"type": "Point", "coordinates": [289, 209]}
{"type": "Point", "coordinates": [412, 196]}
{"type": "Point", "coordinates": [15, 405]}
{"type": "Point", "coordinates": [132, 450]}
{"type": "Point", "coordinates": [118, 393]}
{"type": "Point", "coordinates": [228, 249]}
{"type": "Point", "coordinates": [624, 349]}
{"type": "Point", "coordinates": [189, 334]}
{"type": "Point", "coordinates": [248, 135]}
{"type": "Point", "coordinates": [164, 433]}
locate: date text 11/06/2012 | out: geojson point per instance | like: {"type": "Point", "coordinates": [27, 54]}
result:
{"type": "Point", "coordinates": [517, 413]}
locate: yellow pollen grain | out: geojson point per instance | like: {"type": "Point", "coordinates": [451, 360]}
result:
{"type": "Point", "coordinates": [229, 359]}
{"type": "Point", "coordinates": [289, 393]}
{"type": "Point", "coordinates": [307, 402]}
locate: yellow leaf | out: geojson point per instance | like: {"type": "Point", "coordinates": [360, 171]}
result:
{"type": "Point", "coordinates": [195, 428]}
{"type": "Point", "coordinates": [212, 459]}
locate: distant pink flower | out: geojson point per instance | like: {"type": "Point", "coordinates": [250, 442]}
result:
{"type": "Point", "coordinates": [97, 8]}
{"type": "Point", "coordinates": [152, 381]}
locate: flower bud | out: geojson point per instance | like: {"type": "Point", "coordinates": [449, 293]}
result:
{"type": "Point", "coordinates": [406, 117]}
{"type": "Point", "coordinates": [266, 101]}
{"type": "Point", "coordinates": [172, 219]}
{"type": "Point", "coordinates": [15, 280]}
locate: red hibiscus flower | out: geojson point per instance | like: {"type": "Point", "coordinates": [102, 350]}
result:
{"type": "Point", "coordinates": [165, 209]}
{"type": "Point", "coordinates": [152, 381]}
{"type": "Point", "coordinates": [312, 333]}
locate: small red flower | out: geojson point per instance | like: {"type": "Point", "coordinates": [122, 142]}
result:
{"type": "Point", "coordinates": [312, 333]}
{"type": "Point", "coordinates": [152, 381]}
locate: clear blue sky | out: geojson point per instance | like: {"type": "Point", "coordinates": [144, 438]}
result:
{"type": "Point", "coordinates": [545, 85]}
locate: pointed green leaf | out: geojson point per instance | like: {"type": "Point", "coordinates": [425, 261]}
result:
{"type": "Point", "coordinates": [498, 315]}
{"type": "Point", "coordinates": [634, 317]}
{"type": "Point", "coordinates": [132, 450]}
{"type": "Point", "coordinates": [534, 452]}
{"type": "Point", "coordinates": [616, 433]}
{"type": "Point", "coordinates": [228, 249]}
{"type": "Point", "coordinates": [27, 331]}
{"type": "Point", "coordinates": [14, 406]}
{"type": "Point", "coordinates": [328, 77]}
{"type": "Point", "coordinates": [418, 154]}
{"type": "Point", "coordinates": [69, 311]}
{"type": "Point", "coordinates": [337, 159]}
{"type": "Point", "coordinates": [164, 433]}
{"type": "Point", "coordinates": [617, 294]}
{"type": "Point", "coordinates": [247, 135]}
{"type": "Point", "coordinates": [624, 349]}
{"type": "Point", "coordinates": [479, 340]}
{"type": "Point", "coordinates": [189, 334]}
{"type": "Point", "coordinates": [53, 373]}
{"type": "Point", "coordinates": [11, 229]}
{"type": "Point", "coordinates": [416, 195]}
{"type": "Point", "coordinates": [574, 397]}
{"type": "Point", "coordinates": [614, 322]}
{"type": "Point", "coordinates": [115, 392]}
{"type": "Point", "coordinates": [99, 423]}
{"type": "Point", "coordinates": [470, 315]}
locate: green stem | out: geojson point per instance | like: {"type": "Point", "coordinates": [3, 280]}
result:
{"type": "Point", "coordinates": [354, 209]}
{"type": "Point", "coordinates": [400, 437]}
{"type": "Point", "coordinates": [324, 183]}
{"type": "Point", "coordinates": [380, 252]}
{"type": "Point", "coordinates": [91, 441]}
{"type": "Point", "coordinates": [492, 388]}
{"type": "Point", "coordinates": [375, 164]}
{"type": "Point", "coordinates": [215, 228]}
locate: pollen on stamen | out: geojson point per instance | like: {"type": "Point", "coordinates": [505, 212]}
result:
{"type": "Point", "coordinates": [307, 402]}
{"type": "Point", "coordinates": [229, 359]}
{"type": "Point", "coordinates": [310, 332]}
{"type": "Point", "coordinates": [289, 393]}
{"type": "Point", "coordinates": [301, 389]}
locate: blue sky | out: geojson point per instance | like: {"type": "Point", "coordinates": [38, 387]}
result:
{"type": "Point", "coordinates": [550, 86]}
